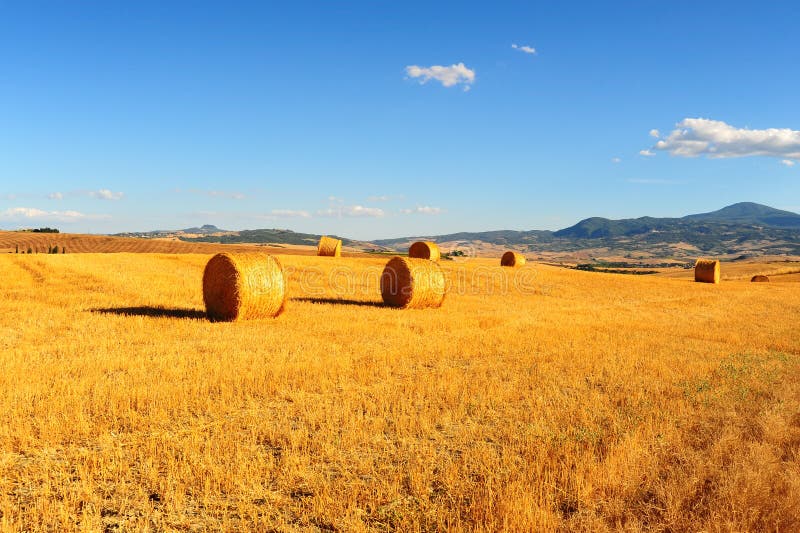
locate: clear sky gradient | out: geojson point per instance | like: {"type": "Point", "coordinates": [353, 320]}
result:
{"type": "Point", "coordinates": [332, 117]}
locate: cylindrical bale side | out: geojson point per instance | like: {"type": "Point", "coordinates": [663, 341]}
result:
{"type": "Point", "coordinates": [424, 250]}
{"type": "Point", "coordinates": [707, 271]}
{"type": "Point", "coordinates": [243, 286]}
{"type": "Point", "coordinates": [329, 247]}
{"type": "Point", "coordinates": [759, 279]}
{"type": "Point", "coordinates": [411, 283]}
{"type": "Point", "coordinates": [512, 259]}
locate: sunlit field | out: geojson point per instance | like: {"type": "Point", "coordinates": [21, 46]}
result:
{"type": "Point", "coordinates": [535, 399]}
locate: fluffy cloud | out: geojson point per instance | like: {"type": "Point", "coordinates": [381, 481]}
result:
{"type": "Point", "coordinates": [525, 49]}
{"type": "Point", "coordinates": [788, 162]}
{"type": "Point", "coordinates": [423, 210]}
{"type": "Point", "coordinates": [32, 213]}
{"type": "Point", "coordinates": [647, 153]}
{"type": "Point", "coordinates": [351, 211]}
{"type": "Point", "coordinates": [290, 213]}
{"type": "Point", "coordinates": [655, 133]}
{"type": "Point", "coordinates": [447, 76]}
{"type": "Point", "coordinates": [694, 137]}
{"type": "Point", "coordinates": [106, 194]}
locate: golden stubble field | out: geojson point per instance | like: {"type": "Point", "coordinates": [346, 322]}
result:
{"type": "Point", "coordinates": [541, 400]}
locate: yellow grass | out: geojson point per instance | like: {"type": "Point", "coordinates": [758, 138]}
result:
{"type": "Point", "coordinates": [584, 401]}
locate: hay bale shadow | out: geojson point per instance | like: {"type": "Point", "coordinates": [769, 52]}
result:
{"type": "Point", "coordinates": [340, 301]}
{"type": "Point", "coordinates": [151, 311]}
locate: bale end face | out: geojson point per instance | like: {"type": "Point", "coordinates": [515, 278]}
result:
{"type": "Point", "coordinates": [759, 279]}
{"type": "Point", "coordinates": [707, 271]}
{"type": "Point", "coordinates": [243, 286]}
{"type": "Point", "coordinates": [512, 259]}
{"type": "Point", "coordinates": [412, 283]}
{"type": "Point", "coordinates": [424, 250]}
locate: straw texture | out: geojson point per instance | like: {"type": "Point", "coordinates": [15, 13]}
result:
{"type": "Point", "coordinates": [330, 247]}
{"type": "Point", "coordinates": [243, 286]}
{"type": "Point", "coordinates": [424, 250]}
{"type": "Point", "coordinates": [707, 271]}
{"type": "Point", "coordinates": [411, 283]}
{"type": "Point", "coordinates": [512, 259]}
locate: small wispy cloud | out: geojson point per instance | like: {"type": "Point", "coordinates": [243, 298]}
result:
{"type": "Point", "coordinates": [647, 153]}
{"type": "Point", "coordinates": [788, 162]}
{"type": "Point", "coordinates": [655, 133]}
{"type": "Point", "coordinates": [422, 210]}
{"type": "Point", "coordinates": [616, 160]}
{"type": "Point", "coordinates": [35, 214]}
{"type": "Point", "coordinates": [456, 74]}
{"type": "Point", "coordinates": [694, 137]}
{"type": "Point", "coordinates": [55, 196]}
{"type": "Point", "coordinates": [385, 198]}
{"type": "Point", "coordinates": [106, 194]}
{"type": "Point", "coordinates": [290, 213]}
{"type": "Point", "coordinates": [524, 48]}
{"type": "Point", "coordinates": [351, 211]}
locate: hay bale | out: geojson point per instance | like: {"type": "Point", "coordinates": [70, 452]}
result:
{"type": "Point", "coordinates": [329, 247]}
{"type": "Point", "coordinates": [243, 286]}
{"type": "Point", "coordinates": [412, 283]}
{"type": "Point", "coordinates": [512, 259]}
{"type": "Point", "coordinates": [424, 250]}
{"type": "Point", "coordinates": [759, 279]}
{"type": "Point", "coordinates": [706, 271]}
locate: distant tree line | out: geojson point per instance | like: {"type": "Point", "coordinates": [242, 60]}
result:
{"type": "Point", "coordinates": [54, 249]}
{"type": "Point", "coordinates": [43, 230]}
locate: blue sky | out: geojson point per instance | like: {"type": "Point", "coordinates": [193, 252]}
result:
{"type": "Point", "coordinates": [378, 119]}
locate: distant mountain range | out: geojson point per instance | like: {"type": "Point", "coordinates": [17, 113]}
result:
{"type": "Point", "coordinates": [742, 229]}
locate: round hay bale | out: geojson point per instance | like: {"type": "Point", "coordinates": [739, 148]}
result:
{"type": "Point", "coordinates": [412, 283]}
{"type": "Point", "coordinates": [759, 279]}
{"type": "Point", "coordinates": [243, 286]}
{"type": "Point", "coordinates": [707, 271]}
{"type": "Point", "coordinates": [512, 259]}
{"type": "Point", "coordinates": [424, 250]}
{"type": "Point", "coordinates": [329, 247]}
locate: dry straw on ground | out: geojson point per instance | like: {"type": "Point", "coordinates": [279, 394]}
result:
{"type": "Point", "coordinates": [707, 270]}
{"type": "Point", "coordinates": [424, 250]}
{"type": "Point", "coordinates": [243, 286]}
{"type": "Point", "coordinates": [412, 283]}
{"type": "Point", "coordinates": [512, 259]}
{"type": "Point", "coordinates": [328, 246]}
{"type": "Point", "coordinates": [759, 278]}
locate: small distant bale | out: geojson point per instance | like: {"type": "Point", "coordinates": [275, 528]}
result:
{"type": "Point", "coordinates": [329, 247]}
{"type": "Point", "coordinates": [512, 259]}
{"type": "Point", "coordinates": [243, 286]}
{"type": "Point", "coordinates": [412, 283]}
{"type": "Point", "coordinates": [759, 279]}
{"type": "Point", "coordinates": [424, 250]}
{"type": "Point", "coordinates": [707, 271]}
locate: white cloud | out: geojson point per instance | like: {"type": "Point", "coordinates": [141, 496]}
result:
{"type": "Point", "coordinates": [447, 76]}
{"type": "Point", "coordinates": [423, 210]}
{"type": "Point", "coordinates": [351, 211]}
{"type": "Point", "coordinates": [385, 198]}
{"type": "Point", "coordinates": [616, 160]}
{"type": "Point", "coordinates": [290, 213]}
{"type": "Point", "coordinates": [32, 213]}
{"type": "Point", "coordinates": [525, 49]}
{"type": "Point", "coordinates": [694, 137]}
{"type": "Point", "coordinates": [647, 153]}
{"type": "Point", "coordinates": [655, 133]}
{"type": "Point", "coordinates": [55, 196]}
{"type": "Point", "coordinates": [106, 194]}
{"type": "Point", "coordinates": [788, 162]}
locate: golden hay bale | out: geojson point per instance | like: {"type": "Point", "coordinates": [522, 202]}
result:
{"type": "Point", "coordinates": [706, 270]}
{"type": "Point", "coordinates": [512, 259]}
{"type": "Point", "coordinates": [243, 286]}
{"type": "Point", "coordinates": [424, 250]}
{"type": "Point", "coordinates": [328, 246]}
{"type": "Point", "coordinates": [759, 278]}
{"type": "Point", "coordinates": [412, 283]}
